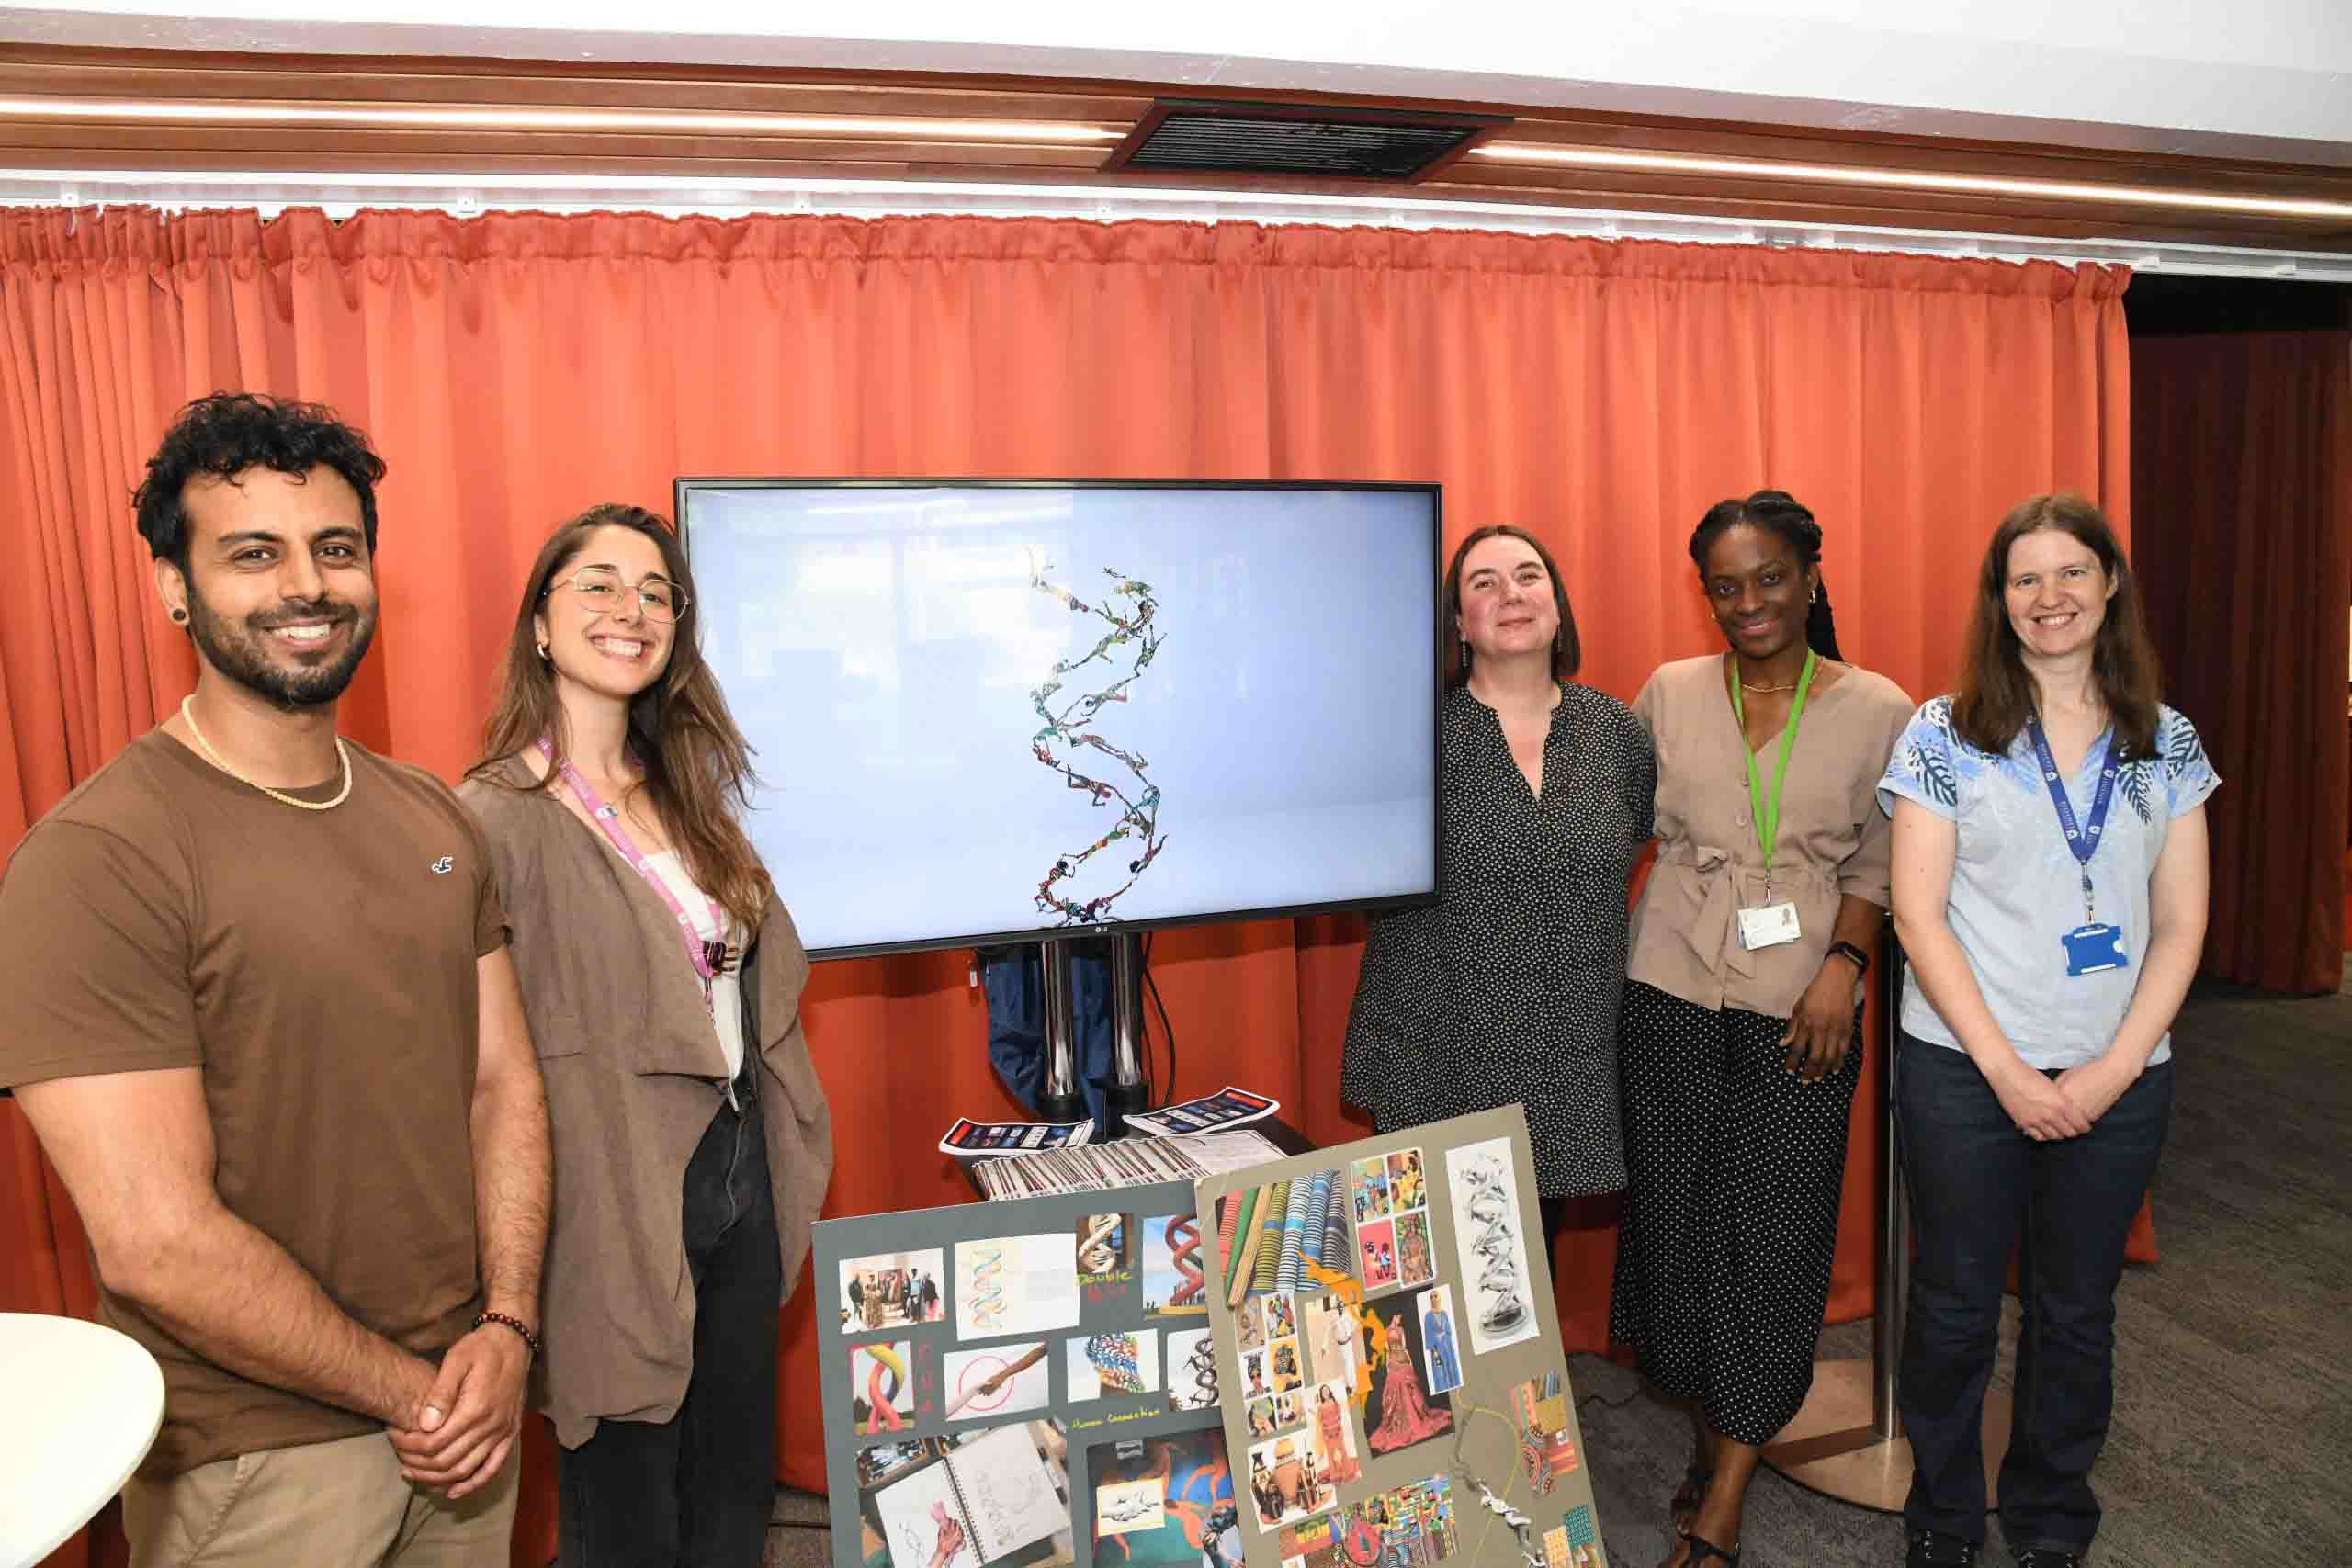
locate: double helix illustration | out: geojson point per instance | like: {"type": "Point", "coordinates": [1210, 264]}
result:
{"type": "Point", "coordinates": [1517, 1522]}
{"type": "Point", "coordinates": [988, 1287]}
{"type": "Point", "coordinates": [1099, 1253]}
{"type": "Point", "coordinates": [1072, 726]}
{"type": "Point", "coordinates": [1489, 1205]}
{"type": "Point", "coordinates": [881, 1406]}
{"type": "Point", "coordinates": [1200, 1371]}
{"type": "Point", "coordinates": [1118, 1363]}
{"type": "Point", "coordinates": [1184, 1236]}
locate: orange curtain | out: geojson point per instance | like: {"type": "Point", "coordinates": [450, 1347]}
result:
{"type": "Point", "coordinates": [2242, 458]}
{"type": "Point", "coordinates": [517, 368]}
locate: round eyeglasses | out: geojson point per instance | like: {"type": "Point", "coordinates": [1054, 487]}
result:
{"type": "Point", "coordinates": [600, 588]}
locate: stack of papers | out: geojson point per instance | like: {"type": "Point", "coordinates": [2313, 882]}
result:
{"type": "Point", "coordinates": [1131, 1161]}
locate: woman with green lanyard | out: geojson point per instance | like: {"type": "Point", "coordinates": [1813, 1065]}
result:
{"type": "Point", "coordinates": [1737, 1037]}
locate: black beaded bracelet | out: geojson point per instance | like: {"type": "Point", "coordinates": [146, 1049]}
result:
{"type": "Point", "coordinates": [516, 1323]}
{"type": "Point", "coordinates": [1847, 949]}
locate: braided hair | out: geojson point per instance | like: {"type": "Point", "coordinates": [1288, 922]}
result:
{"type": "Point", "coordinates": [1782, 513]}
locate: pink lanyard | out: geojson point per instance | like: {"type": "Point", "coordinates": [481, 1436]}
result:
{"type": "Point", "coordinates": [710, 958]}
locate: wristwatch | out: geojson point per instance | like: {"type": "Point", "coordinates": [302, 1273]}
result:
{"type": "Point", "coordinates": [1847, 949]}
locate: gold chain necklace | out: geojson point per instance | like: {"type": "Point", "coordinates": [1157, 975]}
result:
{"type": "Point", "coordinates": [342, 754]}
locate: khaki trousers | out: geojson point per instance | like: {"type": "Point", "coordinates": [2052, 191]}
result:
{"type": "Point", "coordinates": [339, 1505]}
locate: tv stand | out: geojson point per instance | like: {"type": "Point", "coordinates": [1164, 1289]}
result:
{"type": "Point", "coordinates": [1126, 1093]}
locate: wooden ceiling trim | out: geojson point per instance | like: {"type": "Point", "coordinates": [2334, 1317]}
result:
{"type": "Point", "coordinates": [295, 149]}
{"type": "Point", "coordinates": [720, 153]}
{"type": "Point", "coordinates": [18, 79]}
{"type": "Point", "coordinates": [357, 116]}
{"type": "Point", "coordinates": [148, 73]}
{"type": "Point", "coordinates": [2011, 162]}
{"type": "Point", "coordinates": [1801, 209]}
{"type": "Point", "coordinates": [1617, 186]}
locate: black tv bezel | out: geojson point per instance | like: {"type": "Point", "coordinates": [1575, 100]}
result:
{"type": "Point", "coordinates": [683, 487]}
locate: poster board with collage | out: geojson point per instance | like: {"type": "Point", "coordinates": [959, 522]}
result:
{"type": "Point", "coordinates": [1023, 1383]}
{"type": "Point", "coordinates": [1387, 1332]}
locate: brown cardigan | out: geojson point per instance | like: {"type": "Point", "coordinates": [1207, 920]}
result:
{"type": "Point", "coordinates": [634, 1074]}
{"type": "Point", "coordinates": [1832, 838]}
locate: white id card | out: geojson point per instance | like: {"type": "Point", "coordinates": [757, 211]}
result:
{"type": "Point", "coordinates": [1771, 925]}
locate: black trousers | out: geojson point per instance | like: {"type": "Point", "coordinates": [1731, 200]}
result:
{"type": "Point", "coordinates": [696, 1491]}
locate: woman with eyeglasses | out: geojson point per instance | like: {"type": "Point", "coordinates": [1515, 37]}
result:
{"type": "Point", "coordinates": [661, 979]}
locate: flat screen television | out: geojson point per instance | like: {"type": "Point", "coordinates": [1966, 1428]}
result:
{"type": "Point", "coordinates": [998, 711]}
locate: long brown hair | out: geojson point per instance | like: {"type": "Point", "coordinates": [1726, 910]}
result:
{"type": "Point", "coordinates": [1997, 694]}
{"type": "Point", "coordinates": [697, 766]}
{"type": "Point", "coordinates": [1568, 652]}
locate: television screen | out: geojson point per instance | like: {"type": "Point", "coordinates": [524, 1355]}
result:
{"type": "Point", "coordinates": [991, 711]}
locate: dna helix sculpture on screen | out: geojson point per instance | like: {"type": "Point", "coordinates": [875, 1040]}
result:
{"type": "Point", "coordinates": [1129, 612]}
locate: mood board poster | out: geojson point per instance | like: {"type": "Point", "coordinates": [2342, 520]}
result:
{"type": "Point", "coordinates": [1385, 1332]}
{"type": "Point", "coordinates": [1027, 1381]}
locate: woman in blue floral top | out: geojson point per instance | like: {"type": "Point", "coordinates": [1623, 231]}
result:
{"type": "Point", "coordinates": [2049, 886]}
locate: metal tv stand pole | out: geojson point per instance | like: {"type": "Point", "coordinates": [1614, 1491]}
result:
{"type": "Point", "coordinates": [1847, 1443]}
{"type": "Point", "coordinates": [1126, 1093]}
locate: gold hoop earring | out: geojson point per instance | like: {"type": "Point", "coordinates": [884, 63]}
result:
{"type": "Point", "coordinates": [543, 655]}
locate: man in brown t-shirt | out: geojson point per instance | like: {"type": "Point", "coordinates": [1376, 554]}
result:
{"type": "Point", "coordinates": [256, 1001]}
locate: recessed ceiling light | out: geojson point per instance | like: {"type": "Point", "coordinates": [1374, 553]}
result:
{"type": "Point", "coordinates": [435, 116]}
{"type": "Point", "coordinates": [1912, 179]}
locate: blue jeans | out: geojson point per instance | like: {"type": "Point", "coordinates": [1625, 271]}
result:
{"type": "Point", "coordinates": [696, 1491]}
{"type": "Point", "coordinates": [1980, 1187]}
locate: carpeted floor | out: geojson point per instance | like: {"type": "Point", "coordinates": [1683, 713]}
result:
{"type": "Point", "coordinates": [2234, 1405]}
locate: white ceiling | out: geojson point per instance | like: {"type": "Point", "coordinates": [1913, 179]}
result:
{"type": "Point", "coordinates": [2264, 79]}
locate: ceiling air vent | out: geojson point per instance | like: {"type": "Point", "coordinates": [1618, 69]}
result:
{"type": "Point", "coordinates": [1211, 136]}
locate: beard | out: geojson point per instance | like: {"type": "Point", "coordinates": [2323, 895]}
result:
{"type": "Point", "coordinates": [240, 650]}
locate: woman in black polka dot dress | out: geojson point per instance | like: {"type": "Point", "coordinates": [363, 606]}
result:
{"type": "Point", "coordinates": [1507, 990]}
{"type": "Point", "coordinates": [1741, 1016]}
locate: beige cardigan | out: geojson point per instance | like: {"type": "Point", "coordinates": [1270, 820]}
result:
{"type": "Point", "coordinates": [1832, 838]}
{"type": "Point", "coordinates": [634, 1074]}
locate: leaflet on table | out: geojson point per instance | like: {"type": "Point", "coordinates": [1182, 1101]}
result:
{"type": "Point", "coordinates": [971, 1137]}
{"type": "Point", "coordinates": [1229, 1107]}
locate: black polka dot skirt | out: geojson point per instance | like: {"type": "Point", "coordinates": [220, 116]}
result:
{"type": "Point", "coordinates": [1734, 1169]}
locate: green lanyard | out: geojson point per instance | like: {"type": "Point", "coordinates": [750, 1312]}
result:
{"type": "Point", "coordinates": [1767, 806]}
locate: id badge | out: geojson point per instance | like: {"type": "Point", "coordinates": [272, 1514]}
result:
{"type": "Point", "coordinates": [1771, 925]}
{"type": "Point", "coordinates": [2093, 948]}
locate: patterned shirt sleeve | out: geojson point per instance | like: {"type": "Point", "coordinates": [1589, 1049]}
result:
{"type": "Point", "coordinates": [1923, 767]}
{"type": "Point", "coordinates": [2188, 773]}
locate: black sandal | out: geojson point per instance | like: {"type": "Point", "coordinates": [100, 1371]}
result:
{"type": "Point", "coordinates": [1683, 1506]}
{"type": "Point", "coordinates": [1702, 1549]}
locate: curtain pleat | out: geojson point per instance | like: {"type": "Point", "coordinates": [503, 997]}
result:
{"type": "Point", "coordinates": [514, 370]}
{"type": "Point", "coordinates": [2242, 453]}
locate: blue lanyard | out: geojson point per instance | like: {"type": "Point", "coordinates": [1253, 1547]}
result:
{"type": "Point", "coordinates": [2083, 840]}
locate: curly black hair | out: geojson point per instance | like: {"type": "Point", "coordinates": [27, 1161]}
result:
{"type": "Point", "coordinates": [1785, 515]}
{"type": "Point", "coordinates": [227, 433]}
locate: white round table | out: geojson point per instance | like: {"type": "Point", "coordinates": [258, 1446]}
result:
{"type": "Point", "coordinates": [83, 1404]}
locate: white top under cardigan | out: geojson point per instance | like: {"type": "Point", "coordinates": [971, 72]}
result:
{"type": "Point", "coordinates": [727, 990]}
